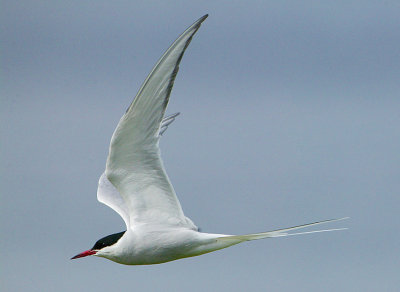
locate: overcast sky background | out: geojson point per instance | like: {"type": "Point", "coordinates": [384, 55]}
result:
{"type": "Point", "coordinates": [290, 114]}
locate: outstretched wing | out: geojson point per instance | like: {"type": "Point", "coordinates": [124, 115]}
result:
{"type": "Point", "coordinates": [109, 195]}
{"type": "Point", "coordinates": [134, 166]}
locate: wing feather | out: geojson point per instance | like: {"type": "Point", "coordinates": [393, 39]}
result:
{"type": "Point", "coordinates": [109, 195]}
{"type": "Point", "coordinates": [134, 166]}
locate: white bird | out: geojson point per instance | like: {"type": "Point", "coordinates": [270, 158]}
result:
{"type": "Point", "coordinates": [136, 186]}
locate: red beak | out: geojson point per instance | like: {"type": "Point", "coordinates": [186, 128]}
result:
{"type": "Point", "coordinates": [84, 254]}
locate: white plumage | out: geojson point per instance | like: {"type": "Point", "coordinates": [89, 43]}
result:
{"type": "Point", "coordinates": [136, 186]}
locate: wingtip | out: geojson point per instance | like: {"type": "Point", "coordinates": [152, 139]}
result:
{"type": "Point", "coordinates": [201, 19]}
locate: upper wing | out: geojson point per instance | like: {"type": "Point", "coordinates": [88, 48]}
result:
{"type": "Point", "coordinates": [109, 195]}
{"type": "Point", "coordinates": [134, 165]}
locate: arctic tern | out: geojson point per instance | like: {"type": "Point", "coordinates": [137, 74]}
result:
{"type": "Point", "coordinates": [136, 186]}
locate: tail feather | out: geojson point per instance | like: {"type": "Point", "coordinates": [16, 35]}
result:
{"type": "Point", "coordinates": [280, 232]}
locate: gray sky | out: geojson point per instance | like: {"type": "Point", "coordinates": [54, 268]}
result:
{"type": "Point", "coordinates": [290, 114]}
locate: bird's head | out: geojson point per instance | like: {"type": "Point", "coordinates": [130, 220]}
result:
{"type": "Point", "coordinates": [101, 245]}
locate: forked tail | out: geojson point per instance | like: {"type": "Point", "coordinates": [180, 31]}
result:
{"type": "Point", "coordinates": [279, 232]}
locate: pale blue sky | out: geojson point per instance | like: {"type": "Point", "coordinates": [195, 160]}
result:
{"type": "Point", "coordinates": [290, 114]}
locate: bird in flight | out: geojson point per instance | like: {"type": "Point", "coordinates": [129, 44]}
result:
{"type": "Point", "coordinates": [136, 186]}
